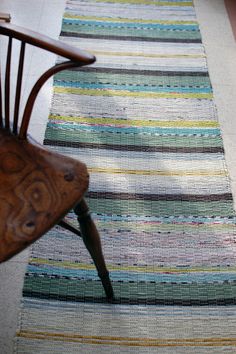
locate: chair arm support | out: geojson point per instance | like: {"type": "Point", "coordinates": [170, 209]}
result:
{"type": "Point", "coordinates": [5, 17]}
{"type": "Point", "coordinates": [47, 43]}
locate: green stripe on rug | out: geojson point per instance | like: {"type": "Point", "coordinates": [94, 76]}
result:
{"type": "Point", "coordinates": [131, 292]}
{"type": "Point", "coordinates": [118, 79]}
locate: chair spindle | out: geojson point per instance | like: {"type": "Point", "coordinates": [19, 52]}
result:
{"type": "Point", "coordinates": [35, 90]}
{"type": "Point", "coordinates": [7, 85]}
{"type": "Point", "coordinates": [18, 87]}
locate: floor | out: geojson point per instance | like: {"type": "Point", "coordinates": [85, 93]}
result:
{"type": "Point", "coordinates": [220, 47]}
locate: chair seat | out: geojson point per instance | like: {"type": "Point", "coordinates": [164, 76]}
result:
{"type": "Point", "coordinates": [37, 189]}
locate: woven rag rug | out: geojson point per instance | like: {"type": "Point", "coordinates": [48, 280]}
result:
{"type": "Point", "coordinates": [144, 121]}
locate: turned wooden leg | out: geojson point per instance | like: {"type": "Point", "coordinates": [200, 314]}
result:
{"type": "Point", "coordinates": [92, 242]}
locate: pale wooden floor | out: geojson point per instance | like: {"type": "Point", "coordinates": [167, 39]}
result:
{"type": "Point", "coordinates": [45, 16]}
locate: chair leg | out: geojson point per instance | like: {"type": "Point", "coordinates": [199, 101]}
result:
{"type": "Point", "coordinates": [92, 242]}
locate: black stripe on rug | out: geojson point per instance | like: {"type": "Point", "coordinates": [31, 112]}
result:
{"type": "Point", "coordinates": [130, 301]}
{"type": "Point", "coordinates": [163, 149]}
{"type": "Point", "coordinates": [139, 72]}
{"type": "Point", "coordinates": [156, 197]}
{"type": "Point", "coordinates": [129, 38]}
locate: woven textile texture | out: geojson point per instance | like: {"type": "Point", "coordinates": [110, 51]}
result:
{"type": "Point", "coordinates": [143, 120]}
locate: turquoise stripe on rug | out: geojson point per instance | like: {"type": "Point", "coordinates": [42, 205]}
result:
{"type": "Point", "coordinates": [144, 121]}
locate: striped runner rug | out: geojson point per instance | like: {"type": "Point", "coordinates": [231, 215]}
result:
{"type": "Point", "coordinates": [144, 121]}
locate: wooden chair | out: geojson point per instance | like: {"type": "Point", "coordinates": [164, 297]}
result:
{"type": "Point", "coordinates": [39, 187]}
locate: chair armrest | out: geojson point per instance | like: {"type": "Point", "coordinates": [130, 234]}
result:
{"type": "Point", "coordinates": [47, 43]}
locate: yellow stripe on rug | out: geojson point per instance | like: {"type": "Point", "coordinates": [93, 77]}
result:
{"type": "Point", "coordinates": [129, 341]}
{"type": "Point", "coordinates": [130, 20]}
{"type": "Point", "coordinates": [108, 92]}
{"type": "Point", "coordinates": [150, 2]}
{"type": "Point", "coordinates": [148, 55]}
{"type": "Point", "coordinates": [147, 269]}
{"type": "Point", "coordinates": [129, 122]}
{"type": "Point", "coordinates": [198, 173]}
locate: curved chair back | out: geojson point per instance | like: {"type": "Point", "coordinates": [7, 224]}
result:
{"type": "Point", "coordinates": [75, 58]}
